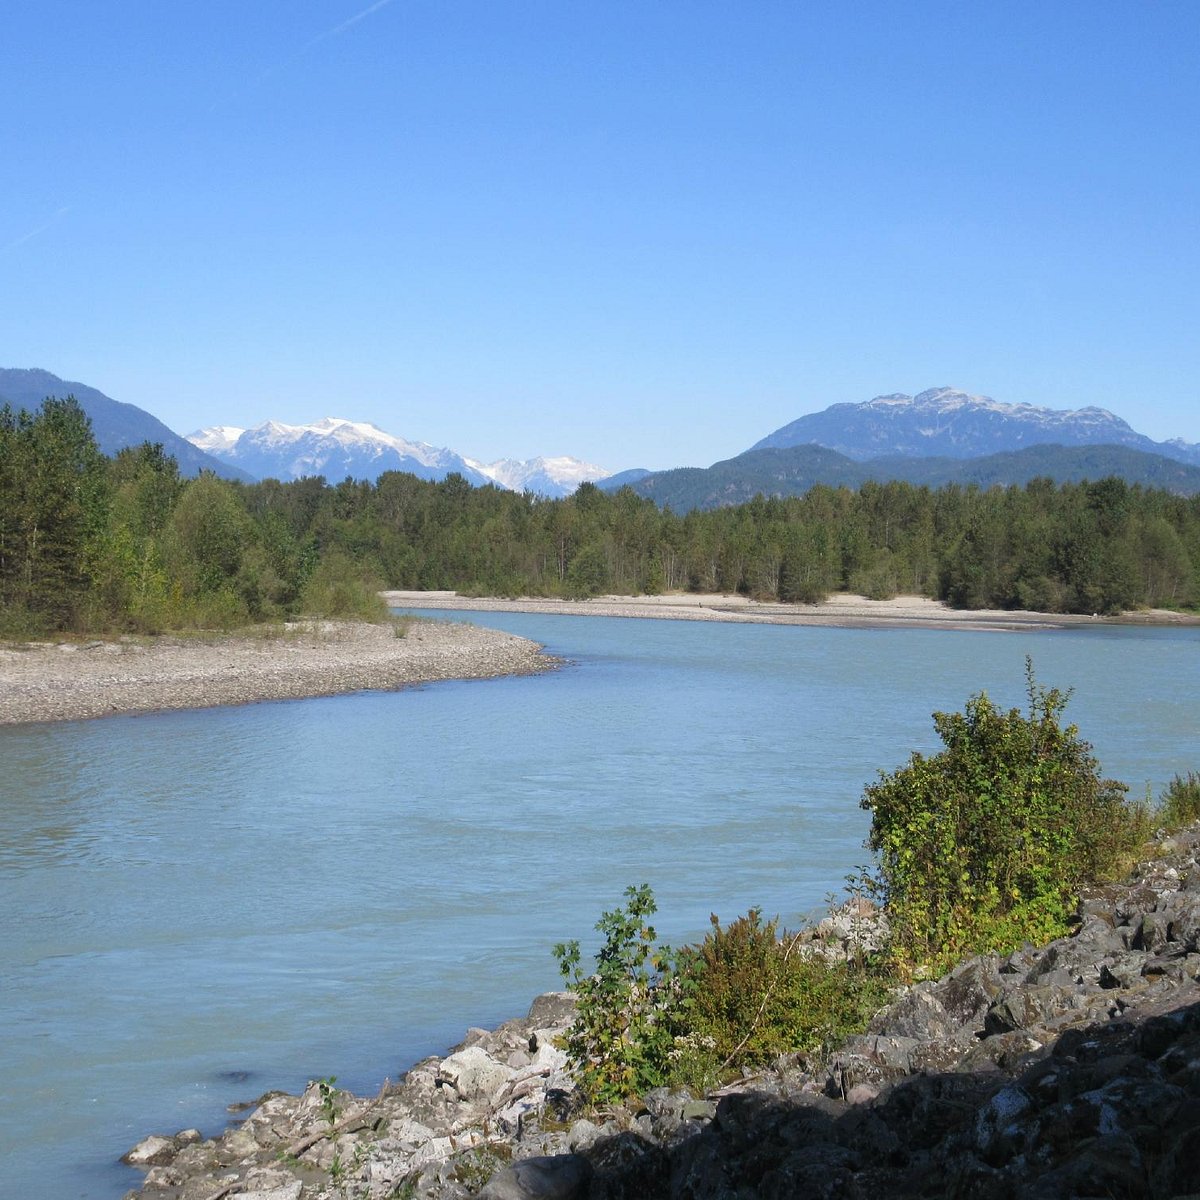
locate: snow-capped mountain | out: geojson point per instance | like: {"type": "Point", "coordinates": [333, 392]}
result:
{"type": "Point", "coordinates": [946, 422]}
{"type": "Point", "coordinates": [333, 447]}
{"type": "Point", "coordinates": [337, 448]}
{"type": "Point", "coordinates": [546, 476]}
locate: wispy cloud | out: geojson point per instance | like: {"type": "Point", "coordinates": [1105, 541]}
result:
{"type": "Point", "coordinates": [335, 31]}
{"type": "Point", "coordinates": [349, 23]}
{"type": "Point", "coordinates": [28, 237]}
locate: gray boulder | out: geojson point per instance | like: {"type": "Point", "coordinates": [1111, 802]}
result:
{"type": "Point", "coordinates": [560, 1177]}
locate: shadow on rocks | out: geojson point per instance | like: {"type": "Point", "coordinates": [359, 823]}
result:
{"type": "Point", "coordinates": [1111, 1110]}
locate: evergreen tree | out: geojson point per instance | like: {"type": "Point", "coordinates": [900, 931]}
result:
{"type": "Point", "coordinates": [54, 499]}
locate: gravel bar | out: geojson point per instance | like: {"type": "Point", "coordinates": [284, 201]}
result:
{"type": "Point", "coordinates": [65, 681]}
{"type": "Point", "coordinates": [843, 609]}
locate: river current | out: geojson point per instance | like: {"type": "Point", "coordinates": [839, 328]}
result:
{"type": "Point", "coordinates": [200, 906]}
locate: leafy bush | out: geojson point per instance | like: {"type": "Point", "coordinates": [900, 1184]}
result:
{"type": "Point", "coordinates": [1180, 803]}
{"type": "Point", "coordinates": [648, 1017]}
{"type": "Point", "coordinates": [337, 588]}
{"type": "Point", "coordinates": [752, 996]}
{"type": "Point", "coordinates": [620, 1042]}
{"type": "Point", "coordinates": [987, 843]}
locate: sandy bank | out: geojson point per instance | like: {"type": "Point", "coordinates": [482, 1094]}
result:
{"type": "Point", "coordinates": [844, 610]}
{"type": "Point", "coordinates": [48, 681]}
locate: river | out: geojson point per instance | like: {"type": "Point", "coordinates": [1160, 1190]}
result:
{"type": "Point", "coordinates": [199, 906]}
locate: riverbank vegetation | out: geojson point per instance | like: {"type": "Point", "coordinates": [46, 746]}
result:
{"type": "Point", "coordinates": [988, 843]}
{"type": "Point", "coordinates": [89, 543]}
{"type": "Point", "coordinates": [979, 848]}
{"type": "Point", "coordinates": [649, 1016]}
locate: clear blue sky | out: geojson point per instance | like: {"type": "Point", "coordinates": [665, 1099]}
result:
{"type": "Point", "coordinates": [639, 233]}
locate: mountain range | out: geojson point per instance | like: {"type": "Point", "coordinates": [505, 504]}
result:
{"type": "Point", "coordinates": [338, 448]}
{"type": "Point", "coordinates": [946, 422]}
{"type": "Point", "coordinates": [937, 437]}
{"type": "Point", "coordinates": [334, 447]}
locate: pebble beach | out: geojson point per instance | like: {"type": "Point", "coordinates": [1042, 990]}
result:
{"type": "Point", "coordinates": [72, 680]}
{"type": "Point", "coordinates": [76, 680]}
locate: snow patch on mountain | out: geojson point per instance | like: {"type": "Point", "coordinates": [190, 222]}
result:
{"type": "Point", "coordinates": [216, 439]}
{"type": "Point", "coordinates": [559, 476]}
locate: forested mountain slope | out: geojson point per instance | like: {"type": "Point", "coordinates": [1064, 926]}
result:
{"type": "Point", "coordinates": [791, 471]}
{"type": "Point", "coordinates": [115, 425]}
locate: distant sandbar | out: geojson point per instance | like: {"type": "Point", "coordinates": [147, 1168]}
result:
{"type": "Point", "coordinates": [843, 609]}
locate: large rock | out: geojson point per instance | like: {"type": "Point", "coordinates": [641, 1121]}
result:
{"type": "Point", "coordinates": [474, 1074]}
{"type": "Point", "coordinates": [152, 1151]}
{"type": "Point", "coordinates": [560, 1177]}
{"type": "Point", "coordinates": [919, 1013]}
{"type": "Point", "coordinates": [967, 992]}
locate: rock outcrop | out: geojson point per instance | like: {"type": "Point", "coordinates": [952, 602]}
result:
{"type": "Point", "coordinates": [1068, 1070]}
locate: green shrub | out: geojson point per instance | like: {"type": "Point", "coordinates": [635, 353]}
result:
{"type": "Point", "coordinates": [221, 608]}
{"type": "Point", "coordinates": [619, 1044]}
{"type": "Point", "coordinates": [1180, 803]}
{"type": "Point", "coordinates": [18, 624]}
{"type": "Point", "coordinates": [987, 843]}
{"type": "Point", "coordinates": [752, 996]}
{"type": "Point", "coordinates": [338, 588]}
{"type": "Point", "coordinates": [648, 1017]}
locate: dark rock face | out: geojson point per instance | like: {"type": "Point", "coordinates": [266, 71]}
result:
{"type": "Point", "coordinates": [1067, 1070]}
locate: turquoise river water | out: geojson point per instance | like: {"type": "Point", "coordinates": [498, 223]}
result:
{"type": "Point", "coordinates": [199, 906]}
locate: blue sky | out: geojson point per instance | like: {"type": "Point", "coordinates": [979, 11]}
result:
{"type": "Point", "coordinates": [639, 233]}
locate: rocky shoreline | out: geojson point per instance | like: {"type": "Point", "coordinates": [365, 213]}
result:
{"type": "Point", "coordinates": [1067, 1070]}
{"type": "Point", "coordinates": [60, 681]}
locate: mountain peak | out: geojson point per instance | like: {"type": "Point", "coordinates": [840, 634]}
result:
{"type": "Point", "coordinates": [954, 423]}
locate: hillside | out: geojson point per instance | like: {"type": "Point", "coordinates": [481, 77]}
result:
{"type": "Point", "coordinates": [114, 424]}
{"type": "Point", "coordinates": [793, 470]}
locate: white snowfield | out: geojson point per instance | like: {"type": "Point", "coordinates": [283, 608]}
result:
{"type": "Point", "coordinates": [216, 438]}
{"type": "Point", "coordinates": [535, 473]}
